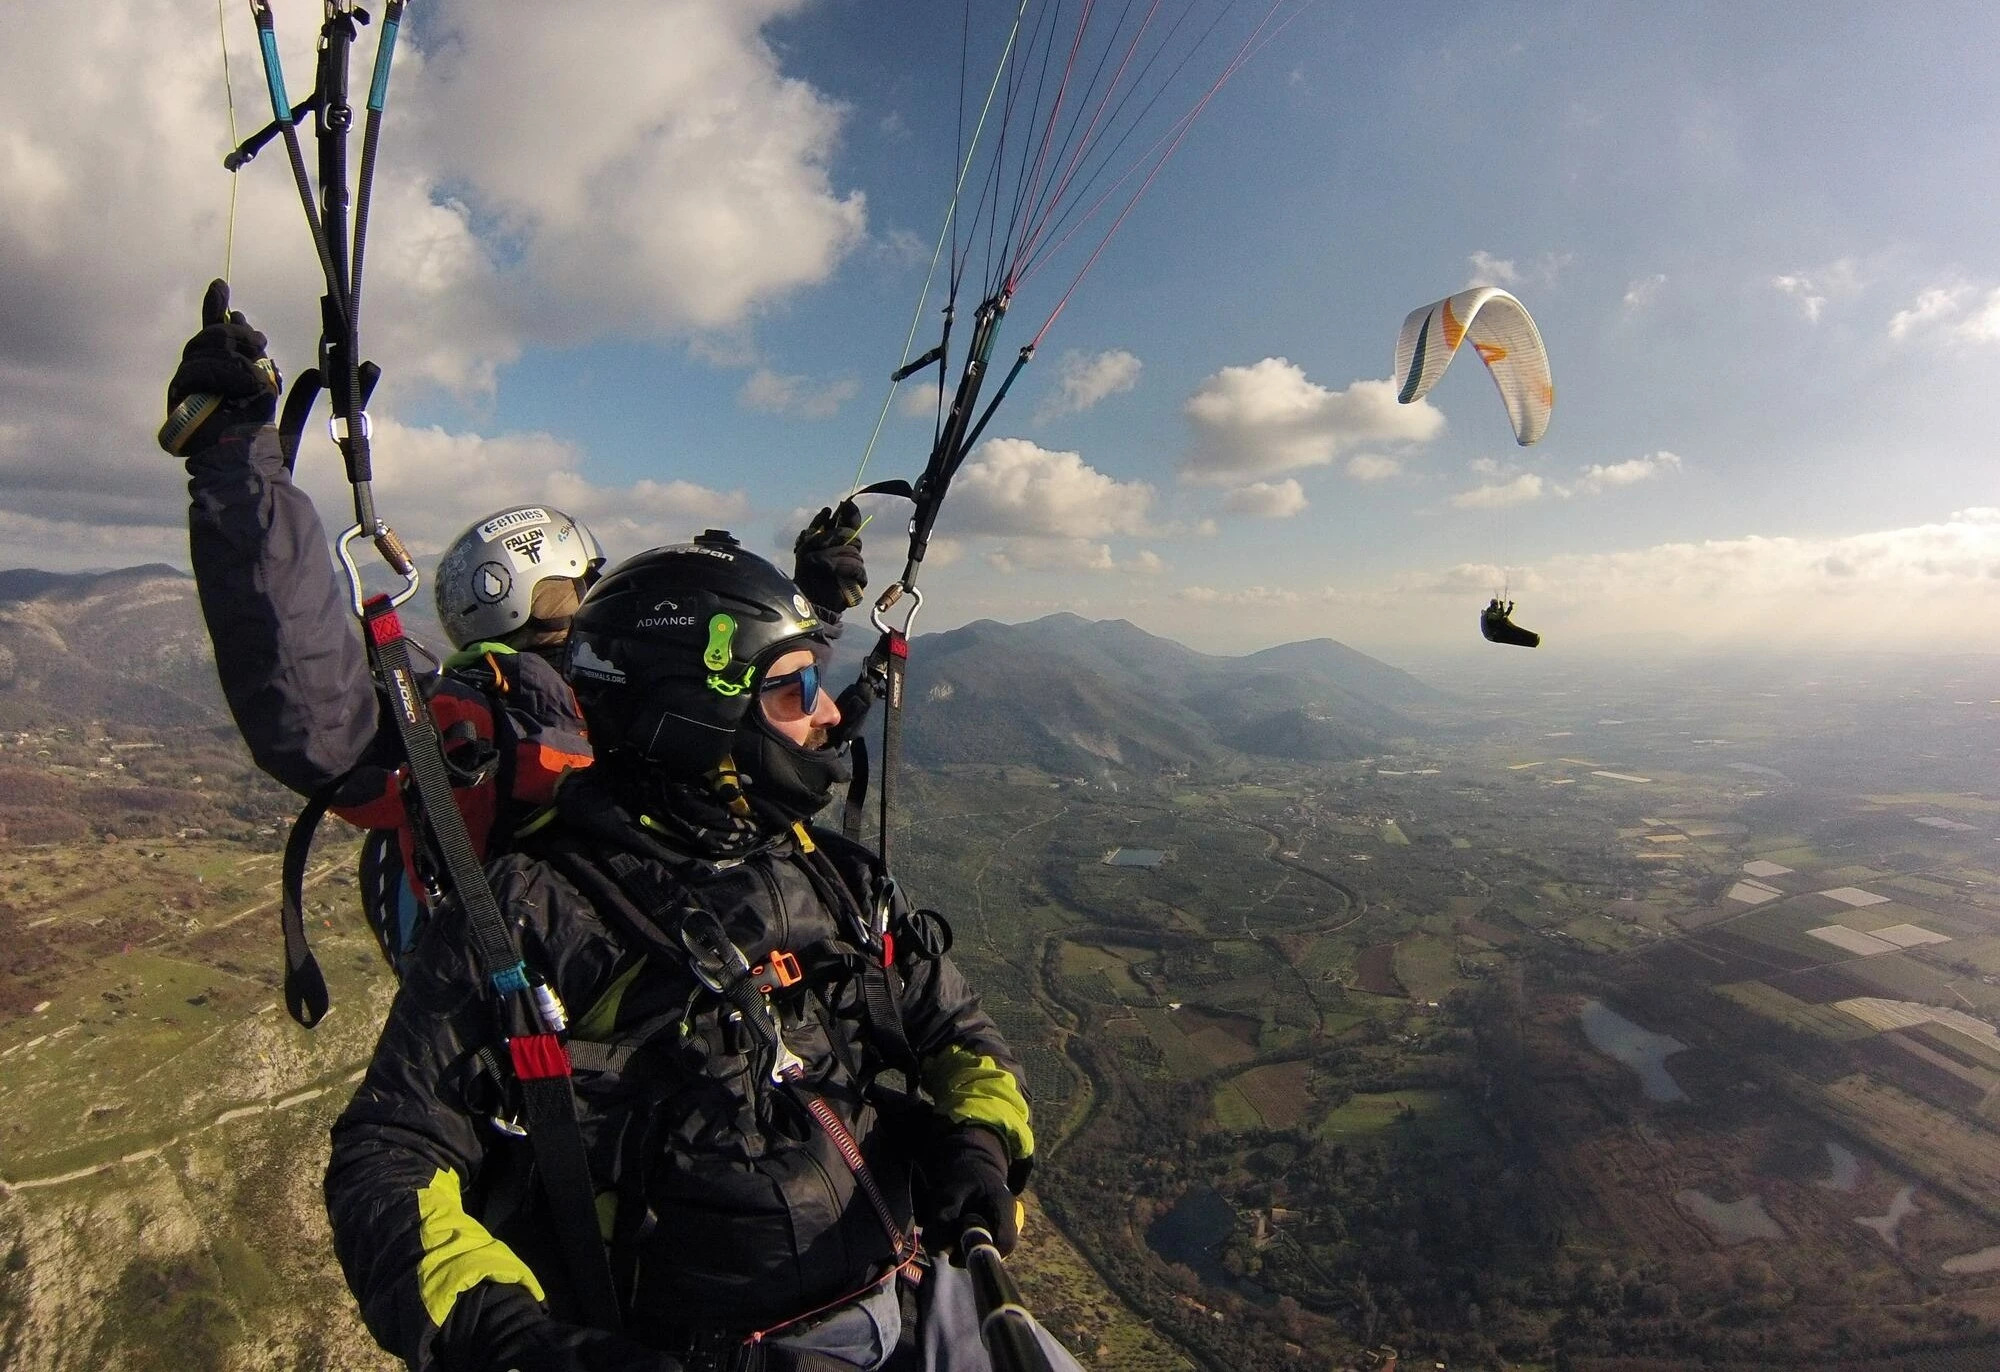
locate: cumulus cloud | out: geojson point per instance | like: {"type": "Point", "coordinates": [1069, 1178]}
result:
{"type": "Point", "coordinates": [795, 395]}
{"type": "Point", "coordinates": [682, 182]}
{"type": "Point", "coordinates": [1498, 495]}
{"type": "Point", "coordinates": [1084, 379]}
{"type": "Point", "coordinates": [1010, 486]}
{"type": "Point", "coordinates": [1642, 291]}
{"type": "Point", "coordinates": [1601, 477]}
{"type": "Point", "coordinates": [1267, 499]}
{"type": "Point", "coordinates": [1373, 467]}
{"type": "Point", "coordinates": [1956, 311]}
{"type": "Point", "coordinates": [425, 476]}
{"type": "Point", "coordinates": [1268, 418]}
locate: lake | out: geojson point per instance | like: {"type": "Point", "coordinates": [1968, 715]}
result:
{"type": "Point", "coordinates": [1642, 1050]}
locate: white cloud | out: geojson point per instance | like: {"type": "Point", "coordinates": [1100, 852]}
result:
{"type": "Point", "coordinates": [680, 181]}
{"type": "Point", "coordinates": [795, 395]}
{"type": "Point", "coordinates": [1068, 555]}
{"type": "Point", "coordinates": [1488, 270]}
{"type": "Point", "coordinates": [1241, 595]}
{"type": "Point", "coordinates": [918, 399]}
{"type": "Point", "coordinates": [1491, 270]}
{"type": "Point", "coordinates": [1084, 379]}
{"type": "Point", "coordinates": [1373, 467]}
{"type": "Point", "coordinates": [1930, 588]}
{"type": "Point", "coordinates": [1601, 477]}
{"type": "Point", "coordinates": [1267, 499]}
{"type": "Point", "coordinates": [1642, 291]}
{"type": "Point", "coordinates": [426, 477]}
{"type": "Point", "coordinates": [1496, 495]}
{"type": "Point", "coordinates": [1801, 289]}
{"type": "Point", "coordinates": [1267, 419]}
{"type": "Point", "coordinates": [1813, 290]}
{"type": "Point", "coordinates": [1957, 311]}
{"type": "Point", "coordinates": [1013, 487]}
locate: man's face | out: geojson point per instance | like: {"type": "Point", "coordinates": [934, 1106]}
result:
{"type": "Point", "coordinates": [784, 708]}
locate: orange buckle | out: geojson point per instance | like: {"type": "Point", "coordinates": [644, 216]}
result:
{"type": "Point", "coordinates": [783, 970]}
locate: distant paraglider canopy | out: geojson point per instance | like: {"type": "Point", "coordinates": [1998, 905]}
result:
{"type": "Point", "coordinates": [1497, 626]}
{"type": "Point", "coordinates": [1506, 340]}
{"type": "Point", "coordinates": [1510, 345]}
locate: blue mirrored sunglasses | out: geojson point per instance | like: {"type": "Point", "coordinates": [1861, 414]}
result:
{"type": "Point", "coordinates": [807, 678]}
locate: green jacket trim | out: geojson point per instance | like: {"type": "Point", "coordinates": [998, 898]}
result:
{"type": "Point", "coordinates": [458, 1252]}
{"type": "Point", "coordinates": [472, 652]}
{"type": "Point", "coordinates": [971, 1088]}
{"type": "Point", "coordinates": [598, 1022]}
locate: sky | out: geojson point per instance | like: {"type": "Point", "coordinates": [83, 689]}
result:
{"type": "Point", "coordinates": [652, 261]}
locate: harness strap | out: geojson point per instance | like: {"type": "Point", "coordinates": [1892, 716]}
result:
{"type": "Point", "coordinates": [854, 812]}
{"type": "Point", "coordinates": [738, 987]}
{"type": "Point", "coordinates": [306, 995]}
{"type": "Point", "coordinates": [895, 653]}
{"type": "Point", "coordinates": [540, 1063]}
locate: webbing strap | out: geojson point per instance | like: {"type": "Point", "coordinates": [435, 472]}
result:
{"type": "Point", "coordinates": [548, 1109]}
{"type": "Point", "coordinates": [499, 959]}
{"type": "Point", "coordinates": [306, 995]}
{"type": "Point", "coordinates": [903, 1243]}
{"type": "Point", "coordinates": [543, 1069]}
{"type": "Point", "coordinates": [895, 650]}
{"type": "Point", "coordinates": [759, 1017]}
{"type": "Point", "coordinates": [854, 813]}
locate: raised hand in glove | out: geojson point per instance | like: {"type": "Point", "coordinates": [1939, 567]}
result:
{"type": "Point", "coordinates": [498, 1327]}
{"type": "Point", "coordinates": [224, 378]}
{"type": "Point", "coordinates": [965, 1182]}
{"type": "Point", "coordinates": [829, 568]}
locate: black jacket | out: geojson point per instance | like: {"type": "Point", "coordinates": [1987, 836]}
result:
{"type": "Point", "coordinates": [744, 1213]}
{"type": "Point", "coordinates": [287, 647]}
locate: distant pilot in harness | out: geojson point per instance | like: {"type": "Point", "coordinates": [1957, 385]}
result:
{"type": "Point", "coordinates": [1496, 625]}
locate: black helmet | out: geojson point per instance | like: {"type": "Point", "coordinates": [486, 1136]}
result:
{"type": "Point", "coordinates": [665, 652]}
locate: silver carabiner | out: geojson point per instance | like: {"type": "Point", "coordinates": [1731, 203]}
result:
{"type": "Point", "coordinates": [897, 590]}
{"type": "Point", "coordinates": [344, 546]}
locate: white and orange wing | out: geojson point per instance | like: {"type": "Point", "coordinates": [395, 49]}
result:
{"type": "Point", "coordinates": [1506, 340]}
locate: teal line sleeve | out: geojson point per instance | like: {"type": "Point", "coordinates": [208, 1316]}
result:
{"type": "Point", "coordinates": [385, 52]}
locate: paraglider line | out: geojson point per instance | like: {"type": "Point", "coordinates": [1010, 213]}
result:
{"type": "Point", "coordinates": [949, 227]}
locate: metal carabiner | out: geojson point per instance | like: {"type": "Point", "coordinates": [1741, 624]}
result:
{"type": "Point", "coordinates": [393, 553]}
{"type": "Point", "coordinates": [897, 590]}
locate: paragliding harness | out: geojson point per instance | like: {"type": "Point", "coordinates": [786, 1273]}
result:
{"type": "Point", "coordinates": [401, 873]}
{"type": "Point", "coordinates": [528, 1018]}
{"type": "Point", "coordinates": [1496, 625]}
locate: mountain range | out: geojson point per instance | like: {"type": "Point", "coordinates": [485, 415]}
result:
{"type": "Point", "coordinates": [1070, 695]}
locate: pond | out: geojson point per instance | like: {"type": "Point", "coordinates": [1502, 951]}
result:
{"type": "Point", "coordinates": [1733, 1221]}
{"type": "Point", "coordinates": [1192, 1233]}
{"type": "Point", "coordinates": [1134, 857]}
{"type": "Point", "coordinates": [1886, 1224]}
{"type": "Point", "coordinates": [1642, 1050]}
{"type": "Point", "coordinates": [1846, 1168]}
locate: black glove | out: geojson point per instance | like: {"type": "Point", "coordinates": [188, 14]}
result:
{"type": "Point", "coordinates": [854, 703]}
{"type": "Point", "coordinates": [498, 1327]}
{"type": "Point", "coordinates": [829, 566]}
{"type": "Point", "coordinates": [965, 1182]}
{"type": "Point", "coordinates": [226, 359]}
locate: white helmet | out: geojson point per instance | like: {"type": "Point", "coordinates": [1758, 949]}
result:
{"type": "Point", "coordinates": [486, 579]}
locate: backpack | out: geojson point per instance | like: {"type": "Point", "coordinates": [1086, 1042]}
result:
{"type": "Point", "coordinates": [510, 731]}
